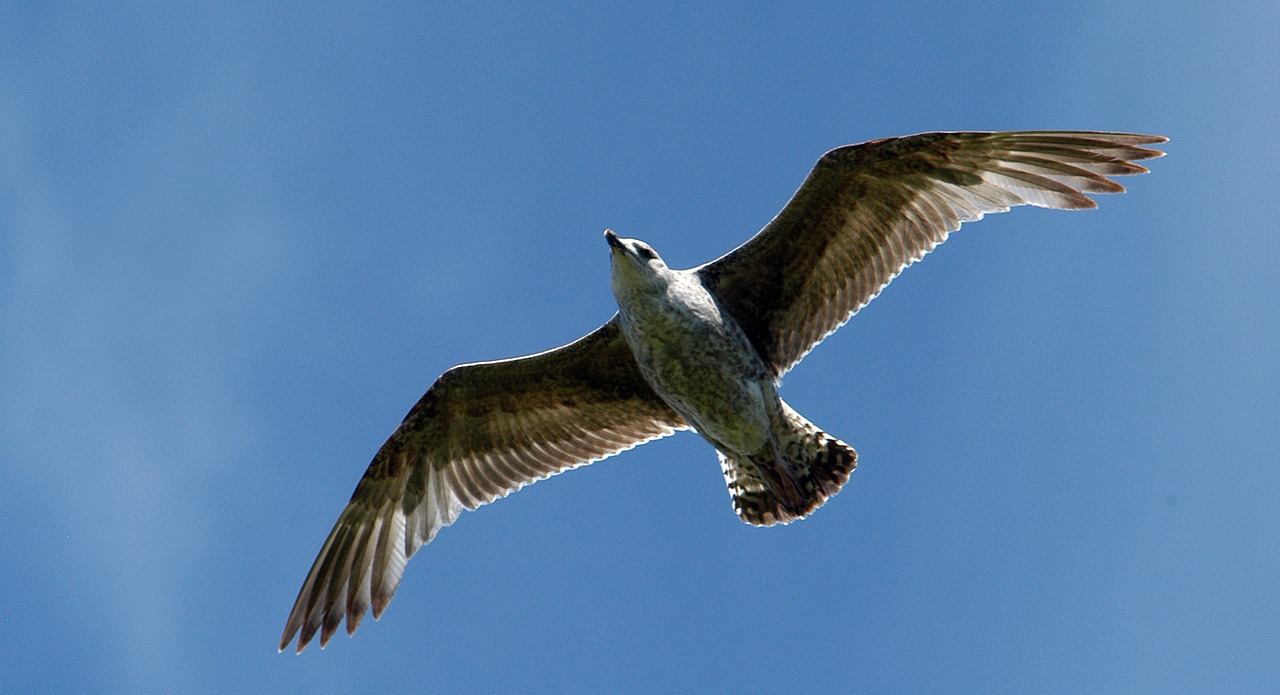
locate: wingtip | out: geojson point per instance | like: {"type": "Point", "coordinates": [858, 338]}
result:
{"type": "Point", "coordinates": [1076, 201]}
{"type": "Point", "coordinates": [380, 604]}
{"type": "Point", "coordinates": [1138, 138]}
{"type": "Point", "coordinates": [1142, 153]}
{"type": "Point", "coordinates": [353, 621]}
{"type": "Point", "coordinates": [1147, 152]}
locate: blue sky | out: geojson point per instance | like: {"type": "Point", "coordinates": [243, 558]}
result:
{"type": "Point", "coordinates": [236, 244]}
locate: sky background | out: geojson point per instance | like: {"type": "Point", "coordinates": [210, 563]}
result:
{"type": "Point", "coordinates": [237, 243]}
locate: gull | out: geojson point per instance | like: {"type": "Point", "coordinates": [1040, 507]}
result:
{"type": "Point", "coordinates": [702, 349]}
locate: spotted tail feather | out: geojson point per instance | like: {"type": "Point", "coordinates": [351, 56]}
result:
{"type": "Point", "coordinates": [816, 463]}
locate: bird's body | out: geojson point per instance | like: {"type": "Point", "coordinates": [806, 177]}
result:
{"type": "Point", "coordinates": [698, 359]}
{"type": "Point", "coordinates": [693, 354]}
{"type": "Point", "coordinates": [701, 348]}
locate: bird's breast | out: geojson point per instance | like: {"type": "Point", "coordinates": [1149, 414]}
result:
{"type": "Point", "coordinates": [701, 363]}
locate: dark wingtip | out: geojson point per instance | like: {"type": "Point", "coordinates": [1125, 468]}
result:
{"type": "Point", "coordinates": [286, 639]}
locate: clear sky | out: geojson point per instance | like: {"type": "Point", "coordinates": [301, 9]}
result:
{"type": "Point", "coordinates": [236, 244]}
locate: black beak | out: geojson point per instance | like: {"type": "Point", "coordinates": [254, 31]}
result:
{"type": "Point", "coordinates": [614, 240]}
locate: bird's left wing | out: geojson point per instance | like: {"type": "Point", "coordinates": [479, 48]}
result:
{"type": "Point", "coordinates": [867, 211]}
{"type": "Point", "coordinates": [480, 432]}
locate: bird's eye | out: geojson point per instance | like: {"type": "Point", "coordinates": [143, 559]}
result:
{"type": "Point", "coordinates": [646, 253]}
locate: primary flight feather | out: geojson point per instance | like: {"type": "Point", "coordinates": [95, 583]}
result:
{"type": "Point", "coordinates": [699, 349]}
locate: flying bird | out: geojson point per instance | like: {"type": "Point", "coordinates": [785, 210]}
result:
{"type": "Point", "coordinates": [701, 349]}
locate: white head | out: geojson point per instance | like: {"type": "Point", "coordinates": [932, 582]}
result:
{"type": "Point", "coordinates": [636, 266]}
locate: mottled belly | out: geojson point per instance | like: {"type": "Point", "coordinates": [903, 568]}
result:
{"type": "Point", "coordinates": [710, 374]}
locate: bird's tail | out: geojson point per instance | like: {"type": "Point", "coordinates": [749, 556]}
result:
{"type": "Point", "coordinates": [787, 482]}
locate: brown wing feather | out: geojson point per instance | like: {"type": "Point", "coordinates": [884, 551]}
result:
{"type": "Point", "coordinates": [867, 211]}
{"type": "Point", "coordinates": [479, 433]}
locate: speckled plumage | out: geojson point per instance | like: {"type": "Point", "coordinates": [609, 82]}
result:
{"type": "Point", "coordinates": [697, 359]}
{"type": "Point", "coordinates": [700, 347]}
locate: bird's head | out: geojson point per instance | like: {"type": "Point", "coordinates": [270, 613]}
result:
{"type": "Point", "coordinates": [636, 265]}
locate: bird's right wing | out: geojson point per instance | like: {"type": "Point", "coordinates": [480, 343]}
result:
{"type": "Point", "coordinates": [867, 211]}
{"type": "Point", "coordinates": [480, 432]}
